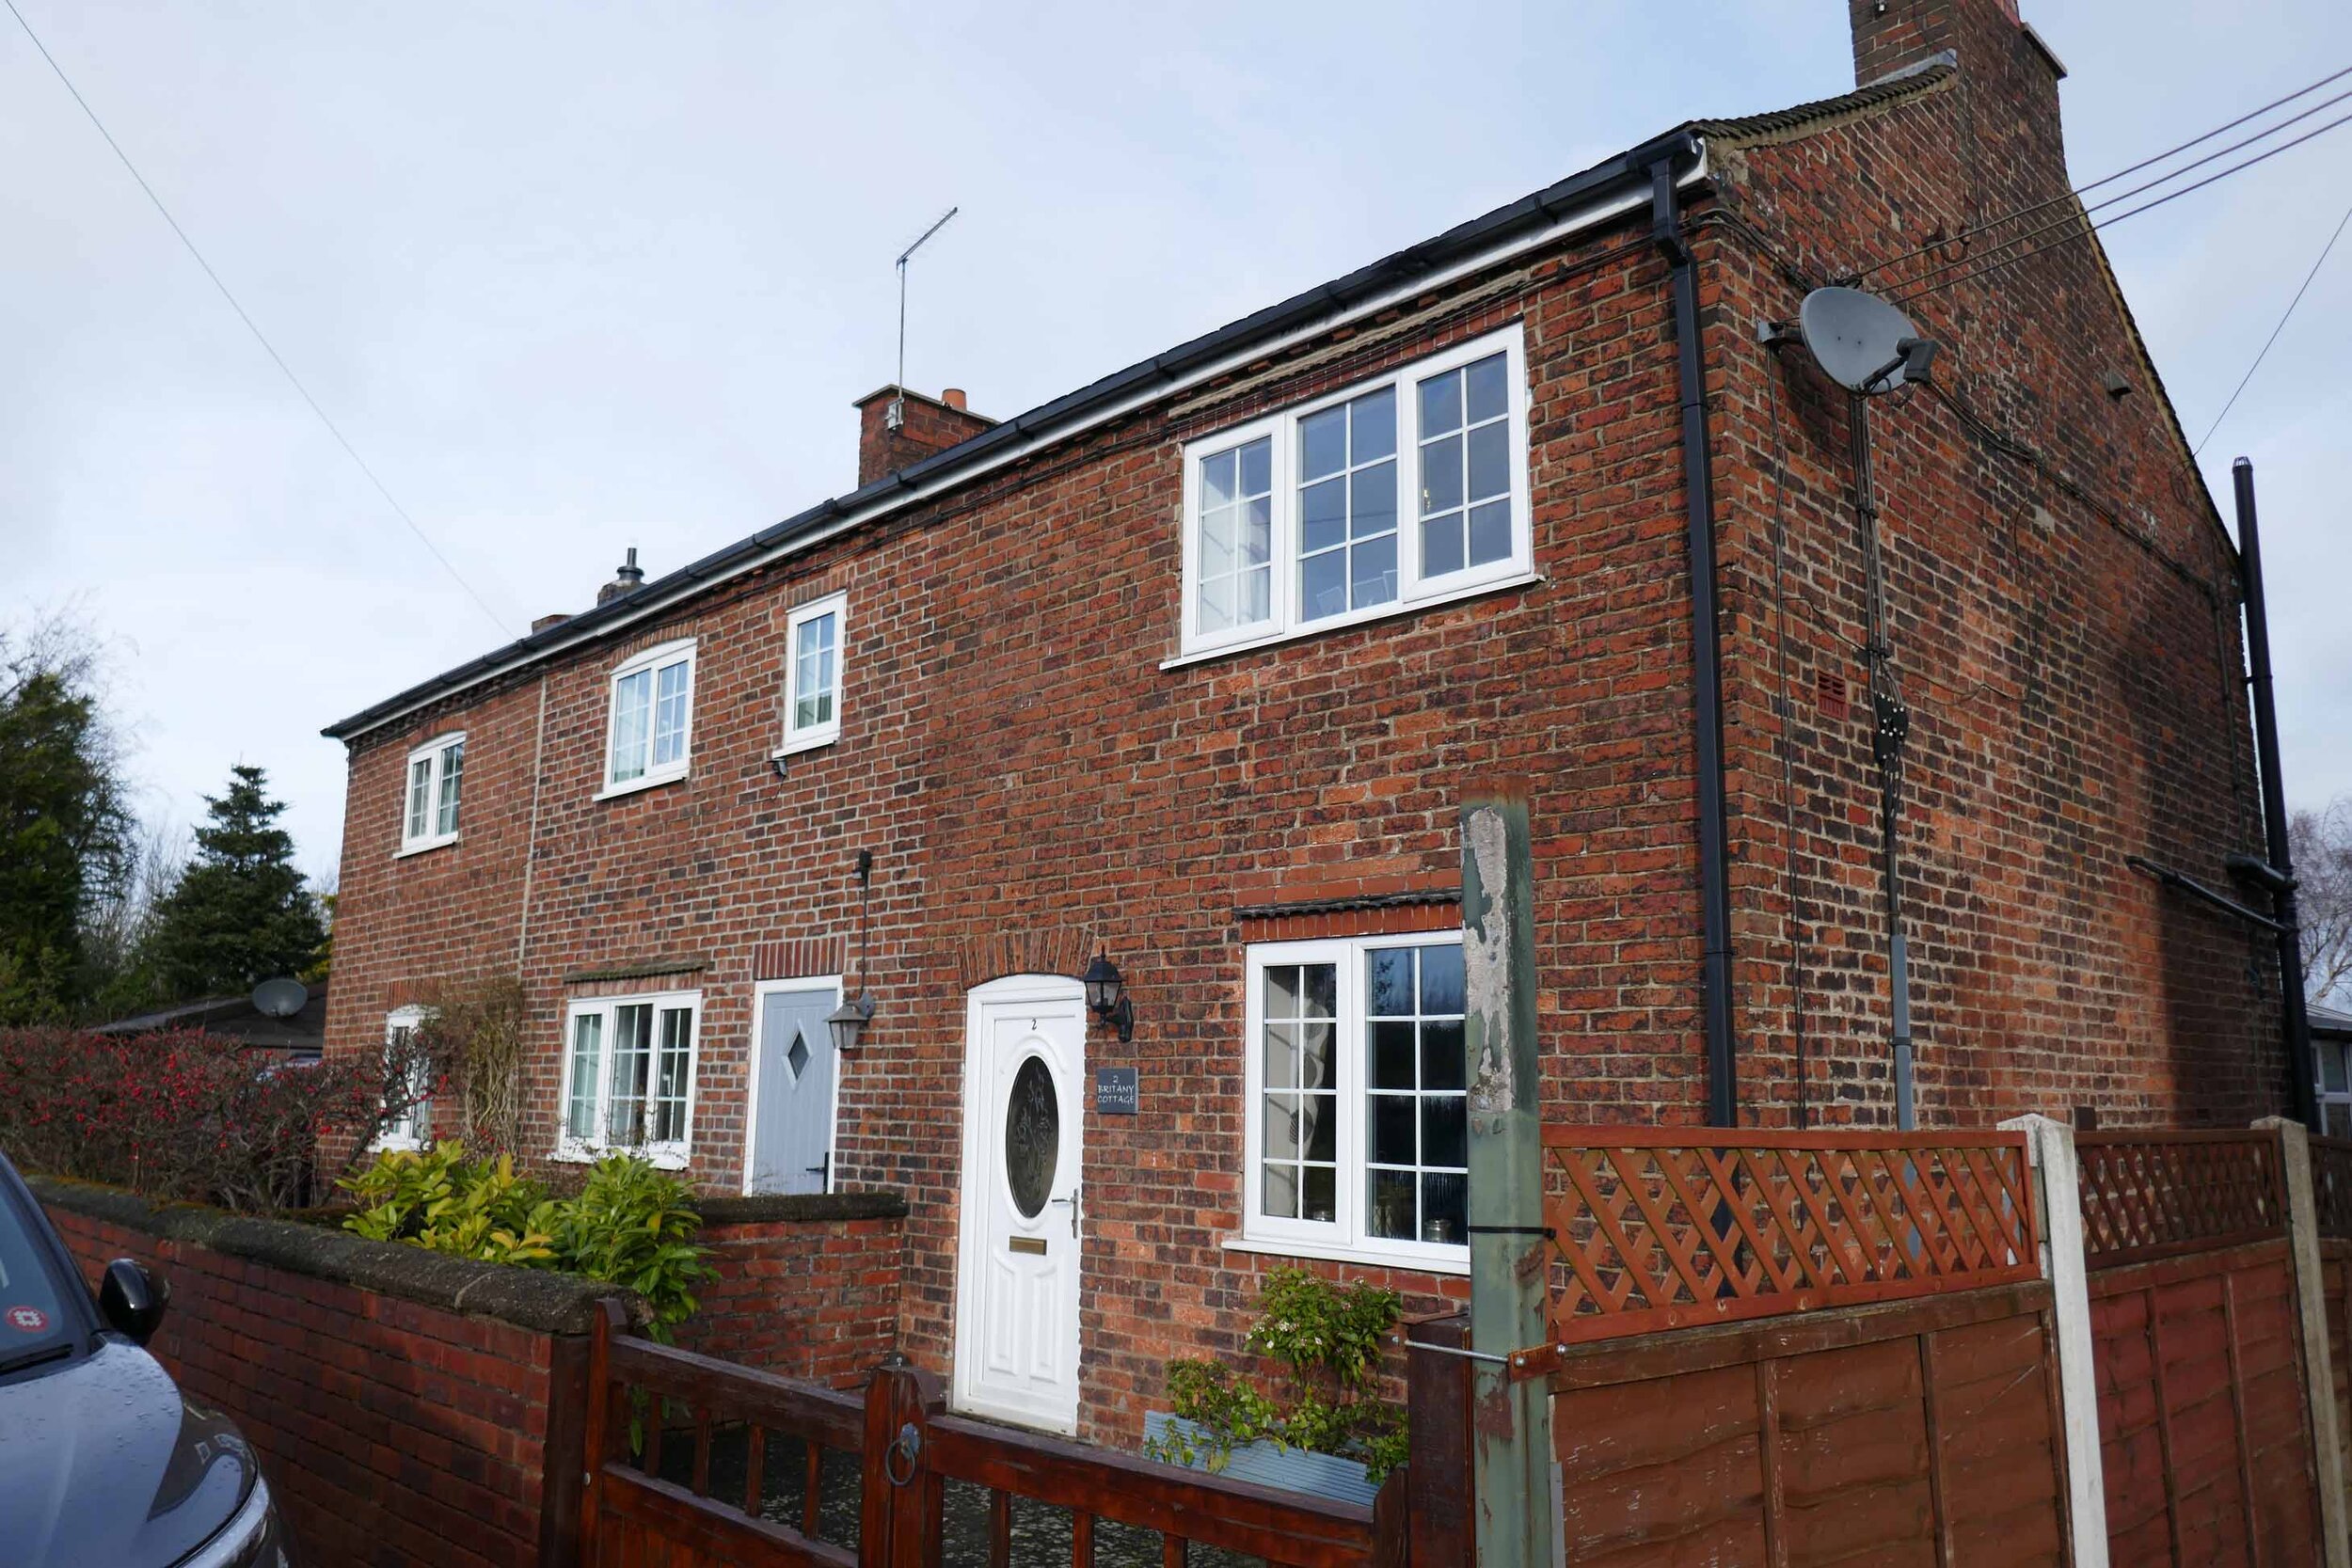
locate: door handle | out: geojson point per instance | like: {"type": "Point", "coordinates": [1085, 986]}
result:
{"type": "Point", "coordinates": [1073, 1201]}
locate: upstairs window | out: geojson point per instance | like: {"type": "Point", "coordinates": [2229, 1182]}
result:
{"type": "Point", "coordinates": [812, 699]}
{"type": "Point", "coordinates": [435, 777]}
{"type": "Point", "coordinates": [1408, 490]}
{"type": "Point", "coordinates": [653, 719]}
{"type": "Point", "coordinates": [629, 1077]}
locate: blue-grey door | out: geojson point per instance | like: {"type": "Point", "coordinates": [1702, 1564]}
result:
{"type": "Point", "coordinates": [792, 1126]}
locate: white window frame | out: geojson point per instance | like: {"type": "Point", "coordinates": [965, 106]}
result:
{"type": "Point", "coordinates": [806, 738]}
{"type": "Point", "coordinates": [1345, 1237]}
{"type": "Point", "coordinates": [823, 985]}
{"type": "Point", "coordinates": [414, 1136]}
{"type": "Point", "coordinates": [435, 754]}
{"type": "Point", "coordinates": [2335, 1105]}
{"type": "Point", "coordinates": [672, 1154]}
{"type": "Point", "coordinates": [654, 660]}
{"type": "Point", "coordinates": [1414, 591]}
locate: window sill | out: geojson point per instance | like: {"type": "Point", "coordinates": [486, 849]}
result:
{"type": "Point", "coordinates": [1360, 618]}
{"type": "Point", "coordinates": [815, 740]}
{"type": "Point", "coordinates": [426, 845]}
{"type": "Point", "coordinates": [391, 1144]}
{"type": "Point", "coordinates": [584, 1154]}
{"type": "Point", "coordinates": [1374, 1258]}
{"type": "Point", "coordinates": [651, 780]}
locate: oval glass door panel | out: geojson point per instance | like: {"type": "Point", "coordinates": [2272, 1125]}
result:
{"type": "Point", "coordinates": [1032, 1136]}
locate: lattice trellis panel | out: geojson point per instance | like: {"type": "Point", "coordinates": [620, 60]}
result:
{"type": "Point", "coordinates": [2332, 1186]}
{"type": "Point", "coordinates": [2154, 1194]}
{"type": "Point", "coordinates": [1673, 1228]}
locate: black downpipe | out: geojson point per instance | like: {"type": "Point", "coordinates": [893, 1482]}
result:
{"type": "Point", "coordinates": [2299, 1023]}
{"type": "Point", "coordinates": [1698, 482]}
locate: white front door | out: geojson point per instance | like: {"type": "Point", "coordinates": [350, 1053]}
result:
{"type": "Point", "coordinates": [1017, 1296]}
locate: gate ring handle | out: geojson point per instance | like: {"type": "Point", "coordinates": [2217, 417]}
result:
{"type": "Point", "coordinates": [908, 1443]}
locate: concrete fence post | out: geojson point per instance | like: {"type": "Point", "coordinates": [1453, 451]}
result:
{"type": "Point", "coordinates": [2058, 1183]}
{"type": "Point", "coordinates": [2310, 1313]}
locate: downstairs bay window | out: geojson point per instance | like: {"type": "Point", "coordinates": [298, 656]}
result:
{"type": "Point", "coordinates": [629, 1077]}
{"type": "Point", "coordinates": [1356, 1123]}
{"type": "Point", "coordinates": [1404, 490]}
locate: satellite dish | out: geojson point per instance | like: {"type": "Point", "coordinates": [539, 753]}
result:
{"type": "Point", "coordinates": [1866, 345]}
{"type": "Point", "coordinates": [279, 998]}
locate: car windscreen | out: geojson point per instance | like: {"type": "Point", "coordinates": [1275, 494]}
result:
{"type": "Point", "coordinates": [37, 1314]}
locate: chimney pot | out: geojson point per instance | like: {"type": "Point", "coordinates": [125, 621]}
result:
{"type": "Point", "coordinates": [626, 580]}
{"type": "Point", "coordinates": [952, 397]}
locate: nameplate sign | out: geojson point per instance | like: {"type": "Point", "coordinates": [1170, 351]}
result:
{"type": "Point", "coordinates": [1116, 1091]}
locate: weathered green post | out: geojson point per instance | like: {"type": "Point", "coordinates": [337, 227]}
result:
{"type": "Point", "coordinates": [1510, 1265]}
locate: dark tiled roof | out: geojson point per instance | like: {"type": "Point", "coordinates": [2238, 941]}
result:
{"type": "Point", "coordinates": [1628, 168]}
{"type": "Point", "coordinates": [236, 1018]}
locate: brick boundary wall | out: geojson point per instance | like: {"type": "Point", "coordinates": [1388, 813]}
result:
{"type": "Point", "coordinates": [808, 1284]}
{"type": "Point", "coordinates": [408, 1407]}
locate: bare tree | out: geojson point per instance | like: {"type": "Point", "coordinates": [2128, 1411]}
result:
{"type": "Point", "coordinates": [2321, 843]}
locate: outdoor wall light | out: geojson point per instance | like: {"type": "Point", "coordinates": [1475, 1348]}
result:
{"type": "Point", "coordinates": [1107, 995]}
{"type": "Point", "coordinates": [847, 1022]}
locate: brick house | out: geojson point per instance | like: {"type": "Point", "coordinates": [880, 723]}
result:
{"type": "Point", "coordinates": [1164, 671]}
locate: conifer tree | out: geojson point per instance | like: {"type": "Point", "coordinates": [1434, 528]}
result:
{"type": "Point", "coordinates": [240, 913]}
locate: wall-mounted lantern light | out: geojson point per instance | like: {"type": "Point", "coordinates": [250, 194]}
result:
{"type": "Point", "coordinates": [848, 1021]}
{"type": "Point", "coordinates": [1107, 995]}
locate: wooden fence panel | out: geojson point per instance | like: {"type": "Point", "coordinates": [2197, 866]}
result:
{"type": "Point", "coordinates": [1922, 1432]}
{"type": "Point", "coordinates": [2206, 1454]}
{"type": "Point", "coordinates": [2157, 1194]}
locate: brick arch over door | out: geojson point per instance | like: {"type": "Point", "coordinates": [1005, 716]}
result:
{"type": "Point", "coordinates": [1039, 950]}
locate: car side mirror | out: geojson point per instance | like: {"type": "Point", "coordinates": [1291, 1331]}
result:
{"type": "Point", "coordinates": [132, 1300]}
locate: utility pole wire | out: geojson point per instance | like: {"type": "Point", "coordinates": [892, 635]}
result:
{"type": "Point", "coordinates": [259, 337]}
{"type": "Point", "coordinates": [2275, 331]}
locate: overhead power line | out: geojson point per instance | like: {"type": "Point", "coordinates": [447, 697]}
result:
{"type": "Point", "coordinates": [2149, 162]}
{"type": "Point", "coordinates": [259, 336]}
{"type": "Point", "coordinates": [2081, 227]}
{"type": "Point", "coordinates": [2284, 319]}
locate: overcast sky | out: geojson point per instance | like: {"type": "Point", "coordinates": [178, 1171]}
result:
{"type": "Point", "coordinates": [574, 277]}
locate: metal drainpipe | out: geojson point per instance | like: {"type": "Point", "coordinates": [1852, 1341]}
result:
{"type": "Point", "coordinates": [2298, 1022]}
{"type": "Point", "coordinates": [1723, 1109]}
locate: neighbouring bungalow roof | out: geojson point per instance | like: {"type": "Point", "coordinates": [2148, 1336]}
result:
{"type": "Point", "coordinates": [236, 1018]}
{"type": "Point", "coordinates": [2329, 1024]}
{"type": "Point", "coordinates": [1577, 201]}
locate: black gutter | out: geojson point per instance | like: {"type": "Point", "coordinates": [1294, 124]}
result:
{"type": "Point", "coordinates": [1698, 484]}
{"type": "Point", "coordinates": [2303, 1091]}
{"type": "Point", "coordinates": [1627, 171]}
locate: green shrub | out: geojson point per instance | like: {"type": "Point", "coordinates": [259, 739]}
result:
{"type": "Point", "coordinates": [628, 1223]}
{"type": "Point", "coordinates": [1328, 1343]}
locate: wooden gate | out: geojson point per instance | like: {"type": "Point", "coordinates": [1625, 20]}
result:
{"type": "Point", "coordinates": [686, 1453]}
{"type": "Point", "coordinates": [2197, 1349]}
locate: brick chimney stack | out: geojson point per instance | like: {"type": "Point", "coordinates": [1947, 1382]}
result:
{"type": "Point", "coordinates": [2011, 78]}
{"type": "Point", "coordinates": [926, 425]}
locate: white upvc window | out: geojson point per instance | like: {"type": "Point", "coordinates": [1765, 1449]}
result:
{"type": "Point", "coordinates": [2335, 1087]}
{"type": "Point", "coordinates": [649, 739]}
{"type": "Point", "coordinates": [1396, 493]}
{"type": "Point", "coordinates": [629, 1077]}
{"type": "Point", "coordinates": [1357, 1138]}
{"type": "Point", "coordinates": [435, 775]}
{"type": "Point", "coordinates": [812, 641]}
{"type": "Point", "coordinates": [413, 1127]}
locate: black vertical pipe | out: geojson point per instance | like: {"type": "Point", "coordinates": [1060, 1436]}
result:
{"type": "Point", "coordinates": [2299, 1023]}
{"type": "Point", "coordinates": [1698, 482]}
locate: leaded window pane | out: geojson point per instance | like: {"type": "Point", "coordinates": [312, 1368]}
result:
{"type": "Point", "coordinates": [1233, 540]}
{"type": "Point", "coordinates": [632, 1056]}
{"type": "Point", "coordinates": [1465, 467]}
{"type": "Point", "coordinates": [1348, 506]}
{"type": "Point", "coordinates": [419, 796]}
{"type": "Point", "coordinates": [1299, 1113]}
{"type": "Point", "coordinates": [672, 1073]}
{"type": "Point", "coordinates": [1417, 1143]}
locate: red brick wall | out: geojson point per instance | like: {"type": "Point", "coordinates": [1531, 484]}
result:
{"type": "Point", "coordinates": [808, 1298]}
{"type": "Point", "coordinates": [1034, 783]}
{"type": "Point", "coordinates": [391, 1431]}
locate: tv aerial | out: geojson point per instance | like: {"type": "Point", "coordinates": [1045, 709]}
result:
{"type": "Point", "coordinates": [279, 998]}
